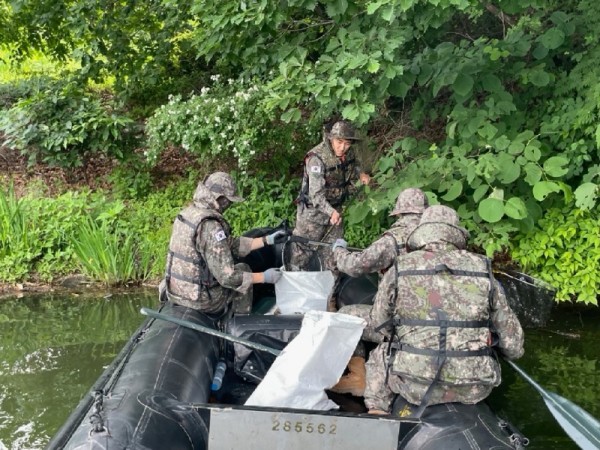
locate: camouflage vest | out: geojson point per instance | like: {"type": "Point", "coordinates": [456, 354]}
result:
{"type": "Point", "coordinates": [338, 175]}
{"type": "Point", "coordinates": [442, 319]}
{"type": "Point", "coordinates": [401, 230]}
{"type": "Point", "coordinates": [187, 274]}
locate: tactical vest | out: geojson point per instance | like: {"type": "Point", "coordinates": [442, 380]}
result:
{"type": "Point", "coordinates": [338, 175]}
{"type": "Point", "coordinates": [400, 233]}
{"type": "Point", "coordinates": [425, 336]}
{"type": "Point", "coordinates": [187, 273]}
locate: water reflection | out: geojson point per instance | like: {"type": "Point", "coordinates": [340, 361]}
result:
{"type": "Point", "coordinates": [52, 350]}
{"type": "Point", "coordinates": [563, 358]}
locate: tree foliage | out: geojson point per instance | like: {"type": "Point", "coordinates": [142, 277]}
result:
{"type": "Point", "coordinates": [491, 107]}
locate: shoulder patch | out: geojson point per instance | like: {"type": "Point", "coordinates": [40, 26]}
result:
{"type": "Point", "coordinates": [315, 169]}
{"type": "Point", "coordinates": [220, 235]}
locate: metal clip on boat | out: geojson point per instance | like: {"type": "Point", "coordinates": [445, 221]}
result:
{"type": "Point", "coordinates": [217, 380]}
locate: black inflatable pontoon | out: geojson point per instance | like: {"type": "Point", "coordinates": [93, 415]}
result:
{"type": "Point", "coordinates": [156, 395]}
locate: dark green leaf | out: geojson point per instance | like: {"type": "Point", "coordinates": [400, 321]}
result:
{"type": "Point", "coordinates": [463, 84]}
{"type": "Point", "coordinates": [553, 38]}
{"type": "Point", "coordinates": [539, 78]}
{"type": "Point", "coordinates": [540, 51]}
{"type": "Point", "coordinates": [337, 7]}
{"type": "Point", "coordinates": [492, 83]}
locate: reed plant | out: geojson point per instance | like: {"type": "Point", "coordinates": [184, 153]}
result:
{"type": "Point", "coordinates": [13, 227]}
{"type": "Point", "coordinates": [105, 254]}
{"type": "Point", "coordinates": [18, 239]}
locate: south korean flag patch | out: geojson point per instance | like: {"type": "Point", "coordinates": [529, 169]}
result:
{"type": "Point", "coordinates": [220, 235]}
{"type": "Point", "coordinates": [315, 169]}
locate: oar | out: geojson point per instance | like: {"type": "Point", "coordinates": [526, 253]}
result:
{"type": "Point", "coordinates": [194, 326]}
{"type": "Point", "coordinates": [577, 423]}
{"type": "Point", "coordinates": [304, 240]}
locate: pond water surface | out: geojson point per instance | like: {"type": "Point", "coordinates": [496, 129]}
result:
{"type": "Point", "coordinates": [54, 347]}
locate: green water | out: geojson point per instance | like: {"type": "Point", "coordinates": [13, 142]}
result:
{"type": "Point", "coordinates": [52, 350]}
{"type": "Point", "coordinates": [54, 347]}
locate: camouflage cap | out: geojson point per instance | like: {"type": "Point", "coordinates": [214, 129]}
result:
{"type": "Point", "coordinates": [410, 201]}
{"type": "Point", "coordinates": [439, 223]}
{"type": "Point", "coordinates": [222, 184]}
{"type": "Point", "coordinates": [343, 130]}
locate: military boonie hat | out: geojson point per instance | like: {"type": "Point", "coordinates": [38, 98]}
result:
{"type": "Point", "coordinates": [439, 223]}
{"type": "Point", "coordinates": [410, 201]}
{"type": "Point", "coordinates": [343, 130]}
{"type": "Point", "coordinates": [222, 184]}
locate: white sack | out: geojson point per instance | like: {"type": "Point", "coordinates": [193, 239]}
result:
{"type": "Point", "coordinates": [314, 361]}
{"type": "Point", "coordinates": [298, 292]}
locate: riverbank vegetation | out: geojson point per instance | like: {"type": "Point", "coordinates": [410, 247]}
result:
{"type": "Point", "coordinates": [490, 107]}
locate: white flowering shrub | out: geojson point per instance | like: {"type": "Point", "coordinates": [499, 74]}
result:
{"type": "Point", "coordinates": [227, 118]}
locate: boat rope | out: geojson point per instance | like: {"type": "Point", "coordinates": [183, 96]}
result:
{"type": "Point", "coordinates": [518, 441]}
{"type": "Point", "coordinates": [96, 417]}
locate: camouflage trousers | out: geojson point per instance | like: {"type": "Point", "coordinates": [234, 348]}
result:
{"type": "Point", "coordinates": [221, 299]}
{"type": "Point", "coordinates": [378, 394]}
{"type": "Point", "coordinates": [381, 386]}
{"type": "Point", "coordinates": [303, 253]}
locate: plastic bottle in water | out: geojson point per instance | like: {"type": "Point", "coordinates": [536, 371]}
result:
{"type": "Point", "coordinates": [218, 377]}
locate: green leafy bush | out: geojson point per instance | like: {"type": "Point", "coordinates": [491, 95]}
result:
{"type": "Point", "coordinates": [11, 93]}
{"type": "Point", "coordinates": [150, 220]}
{"type": "Point", "coordinates": [226, 119]}
{"type": "Point", "coordinates": [268, 201]}
{"type": "Point", "coordinates": [564, 250]}
{"type": "Point", "coordinates": [63, 124]}
{"type": "Point", "coordinates": [34, 234]}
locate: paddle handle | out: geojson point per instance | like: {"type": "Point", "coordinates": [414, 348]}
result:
{"type": "Point", "coordinates": [194, 326]}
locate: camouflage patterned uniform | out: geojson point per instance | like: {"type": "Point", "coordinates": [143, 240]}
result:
{"type": "Point", "coordinates": [380, 255]}
{"type": "Point", "coordinates": [439, 281]}
{"type": "Point", "coordinates": [201, 272]}
{"type": "Point", "coordinates": [326, 184]}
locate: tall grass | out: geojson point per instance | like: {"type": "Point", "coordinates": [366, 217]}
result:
{"type": "Point", "coordinates": [105, 254]}
{"type": "Point", "coordinates": [13, 227]}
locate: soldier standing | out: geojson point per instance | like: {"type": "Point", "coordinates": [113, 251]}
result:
{"type": "Point", "coordinates": [201, 272]}
{"type": "Point", "coordinates": [442, 311]}
{"type": "Point", "coordinates": [330, 170]}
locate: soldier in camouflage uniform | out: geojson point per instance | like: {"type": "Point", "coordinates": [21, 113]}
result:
{"type": "Point", "coordinates": [201, 272]}
{"type": "Point", "coordinates": [330, 170]}
{"type": "Point", "coordinates": [439, 293]}
{"type": "Point", "coordinates": [378, 257]}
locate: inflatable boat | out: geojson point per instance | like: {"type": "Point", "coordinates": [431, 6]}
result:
{"type": "Point", "coordinates": [157, 394]}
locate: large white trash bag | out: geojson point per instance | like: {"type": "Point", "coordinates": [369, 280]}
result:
{"type": "Point", "coordinates": [314, 361]}
{"type": "Point", "coordinates": [298, 292]}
